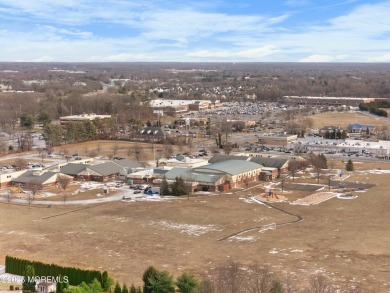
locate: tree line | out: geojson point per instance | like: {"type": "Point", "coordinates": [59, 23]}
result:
{"type": "Point", "coordinates": [374, 108]}
{"type": "Point", "coordinates": [18, 266]}
{"type": "Point", "coordinates": [234, 277]}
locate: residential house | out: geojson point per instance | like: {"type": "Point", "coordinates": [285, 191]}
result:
{"type": "Point", "coordinates": [46, 287]}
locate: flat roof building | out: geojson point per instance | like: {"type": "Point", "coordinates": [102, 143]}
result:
{"type": "Point", "coordinates": [326, 101]}
{"type": "Point", "coordinates": [83, 117]}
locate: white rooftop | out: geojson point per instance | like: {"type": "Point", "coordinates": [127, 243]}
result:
{"type": "Point", "coordinates": [326, 98]}
{"type": "Point", "coordinates": [174, 103]}
{"type": "Point", "coordinates": [91, 116]}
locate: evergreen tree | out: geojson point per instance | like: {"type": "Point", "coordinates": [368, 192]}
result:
{"type": "Point", "coordinates": [124, 289]}
{"type": "Point", "coordinates": [44, 118]}
{"type": "Point", "coordinates": [323, 161]}
{"type": "Point", "coordinates": [148, 275]}
{"type": "Point", "coordinates": [162, 282]}
{"type": "Point", "coordinates": [95, 286]}
{"type": "Point", "coordinates": [164, 190]}
{"type": "Point", "coordinates": [62, 285]}
{"type": "Point", "coordinates": [90, 129]}
{"type": "Point", "coordinates": [179, 187]}
{"type": "Point", "coordinates": [349, 166]}
{"type": "Point", "coordinates": [53, 134]}
{"type": "Point", "coordinates": [104, 280]}
{"type": "Point", "coordinates": [85, 288]}
{"type": "Point", "coordinates": [133, 289]}
{"type": "Point", "coordinates": [117, 288]}
{"type": "Point", "coordinates": [27, 121]}
{"type": "Point", "coordinates": [28, 278]}
{"type": "Point", "coordinates": [187, 283]}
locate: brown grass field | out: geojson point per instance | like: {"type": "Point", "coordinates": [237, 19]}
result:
{"type": "Point", "coordinates": [344, 119]}
{"type": "Point", "coordinates": [346, 239]}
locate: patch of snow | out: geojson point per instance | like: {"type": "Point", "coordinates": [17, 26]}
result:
{"type": "Point", "coordinates": [189, 229]}
{"type": "Point", "coordinates": [377, 172]}
{"type": "Point", "coordinates": [243, 238]}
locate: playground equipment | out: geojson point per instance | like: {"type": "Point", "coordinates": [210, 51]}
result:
{"type": "Point", "coordinates": [270, 195]}
{"type": "Point", "coordinates": [17, 189]}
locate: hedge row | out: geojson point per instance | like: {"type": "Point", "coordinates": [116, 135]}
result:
{"type": "Point", "coordinates": [76, 276]}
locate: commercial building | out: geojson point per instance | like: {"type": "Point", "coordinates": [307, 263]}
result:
{"type": "Point", "coordinates": [276, 140]}
{"type": "Point", "coordinates": [65, 120]}
{"type": "Point", "coordinates": [40, 179]}
{"type": "Point", "coordinates": [172, 107]}
{"type": "Point", "coordinates": [236, 172]}
{"type": "Point", "coordinates": [326, 101]}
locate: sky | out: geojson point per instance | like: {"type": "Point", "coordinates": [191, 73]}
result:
{"type": "Point", "coordinates": [194, 31]}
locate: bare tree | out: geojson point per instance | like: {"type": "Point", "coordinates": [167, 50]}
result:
{"type": "Point", "coordinates": [318, 162]}
{"type": "Point", "coordinates": [259, 279]}
{"type": "Point", "coordinates": [293, 167]}
{"type": "Point", "coordinates": [138, 152]}
{"type": "Point", "coordinates": [319, 284]}
{"type": "Point", "coordinates": [35, 187]}
{"type": "Point", "coordinates": [115, 149]}
{"type": "Point", "coordinates": [20, 163]}
{"type": "Point", "coordinates": [4, 147]}
{"type": "Point", "coordinates": [289, 285]}
{"type": "Point", "coordinates": [42, 154]}
{"type": "Point", "coordinates": [227, 148]}
{"type": "Point", "coordinates": [129, 152]}
{"type": "Point", "coordinates": [230, 278]}
{"type": "Point", "coordinates": [9, 195]}
{"type": "Point", "coordinates": [167, 149]}
{"type": "Point", "coordinates": [98, 149]}
{"type": "Point", "coordinates": [63, 181]}
{"type": "Point", "coordinates": [190, 142]}
{"type": "Point", "coordinates": [190, 178]}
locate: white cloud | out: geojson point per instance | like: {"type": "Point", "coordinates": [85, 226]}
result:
{"type": "Point", "coordinates": [249, 54]}
{"type": "Point", "coordinates": [187, 25]}
{"type": "Point", "coordinates": [45, 58]}
{"type": "Point", "coordinates": [323, 58]}
{"type": "Point", "coordinates": [382, 58]}
{"type": "Point", "coordinates": [125, 57]}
